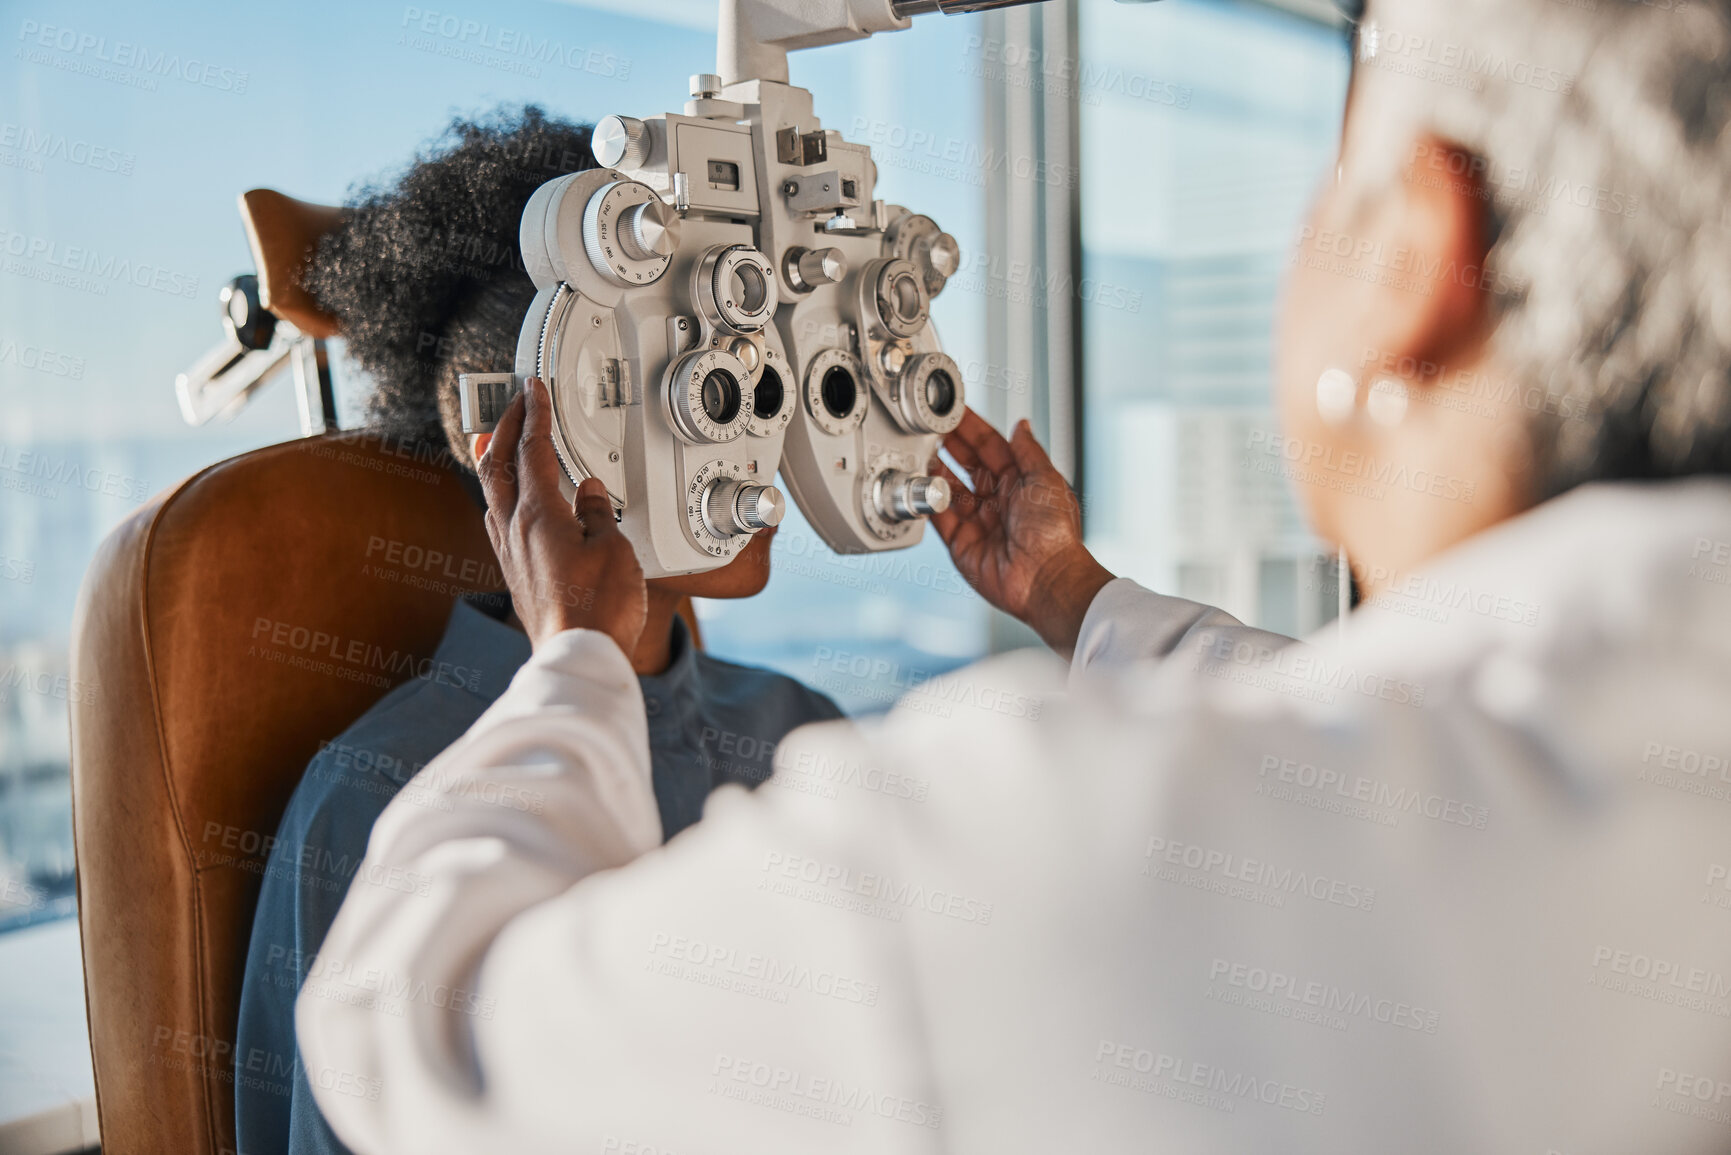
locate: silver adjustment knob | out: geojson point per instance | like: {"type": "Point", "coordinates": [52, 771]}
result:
{"type": "Point", "coordinates": [705, 86]}
{"type": "Point", "coordinates": [906, 496]}
{"type": "Point", "coordinates": [629, 233]}
{"type": "Point", "coordinates": [650, 231]}
{"type": "Point", "coordinates": [945, 256]}
{"type": "Point", "coordinates": [916, 237]}
{"type": "Point", "coordinates": [806, 269]}
{"type": "Point", "coordinates": [620, 142]}
{"type": "Point", "coordinates": [731, 508]}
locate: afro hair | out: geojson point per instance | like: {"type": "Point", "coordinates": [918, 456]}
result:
{"type": "Point", "coordinates": [424, 275]}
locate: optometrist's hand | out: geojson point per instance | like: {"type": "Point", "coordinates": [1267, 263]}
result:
{"type": "Point", "coordinates": [567, 569]}
{"type": "Point", "coordinates": [1017, 537]}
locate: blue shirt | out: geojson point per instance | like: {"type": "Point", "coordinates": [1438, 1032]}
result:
{"type": "Point", "coordinates": [710, 722]}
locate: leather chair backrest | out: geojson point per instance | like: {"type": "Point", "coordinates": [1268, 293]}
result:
{"type": "Point", "coordinates": [223, 632]}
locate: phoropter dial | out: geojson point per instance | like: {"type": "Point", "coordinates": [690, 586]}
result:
{"type": "Point", "coordinates": [734, 507]}
{"type": "Point", "coordinates": [834, 394]}
{"type": "Point", "coordinates": [929, 394]}
{"type": "Point", "coordinates": [734, 286]}
{"type": "Point", "coordinates": [772, 401]}
{"type": "Point", "coordinates": [723, 508]}
{"type": "Point", "coordinates": [903, 496]}
{"type": "Point", "coordinates": [917, 238]}
{"type": "Point", "coordinates": [898, 297]}
{"type": "Point", "coordinates": [709, 397]}
{"type": "Point", "coordinates": [893, 499]}
{"type": "Point", "coordinates": [630, 233]}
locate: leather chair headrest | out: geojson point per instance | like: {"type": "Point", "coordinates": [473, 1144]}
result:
{"type": "Point", "coordinates": [284, 233]}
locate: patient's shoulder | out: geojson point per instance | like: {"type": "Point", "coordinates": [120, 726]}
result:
{"type": "Point", "coordinates": [354, 774]}
{"type": "Point", "coordinates": [758, 691]}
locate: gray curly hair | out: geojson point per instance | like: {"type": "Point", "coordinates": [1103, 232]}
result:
{"type": "Point", "coordinates": [1600, 128]}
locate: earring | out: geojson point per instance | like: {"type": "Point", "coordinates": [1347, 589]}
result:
{"type": "Point", "coordinates": [1336, 396]}
{"type": "Point", "coordinates": [1387, 402]}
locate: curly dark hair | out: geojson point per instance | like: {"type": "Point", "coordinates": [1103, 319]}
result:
{"type": "Point", "coordinates": [425, 276]}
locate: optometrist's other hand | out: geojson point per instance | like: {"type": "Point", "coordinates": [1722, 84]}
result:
{"type": "Point", "coordinates": [1017, 537]}
{"type": "Point", "coordinates": [566, 569]}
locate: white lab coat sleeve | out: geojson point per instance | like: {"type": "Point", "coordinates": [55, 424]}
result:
{"type": "Point", "coordinates": [484, 988]}
{"type": "Point", "coordinates": [550, 785]}
{"type": "Point", "coordinates": [1128, 623]}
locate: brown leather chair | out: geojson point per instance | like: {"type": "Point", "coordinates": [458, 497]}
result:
{"type": "Point", "coordinates": [223, 632]}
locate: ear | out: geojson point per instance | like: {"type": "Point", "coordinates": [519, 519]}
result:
{"type": "Point", "coordinates": [1435, 305]}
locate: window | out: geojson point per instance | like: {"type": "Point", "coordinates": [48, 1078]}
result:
{"type": "Point", "coordinates": [1206, 128]}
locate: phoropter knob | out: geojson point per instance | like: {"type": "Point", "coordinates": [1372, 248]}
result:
{"type": "Point", "coordinates": [650, 231]}
{"type": "Point", "coordinates": [905, 496]}
{"type": "Point", "coordinates": [806, 269]}
{"type": "Point", "coordinates": [735, 507]}
{"type": "Point", "coordinates": [620, 142]}
{"type": "Point", "coordinates": [630, 233]}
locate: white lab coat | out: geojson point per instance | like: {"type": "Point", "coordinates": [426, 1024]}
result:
{"type": "Point", "coordinates": [1453, 878]}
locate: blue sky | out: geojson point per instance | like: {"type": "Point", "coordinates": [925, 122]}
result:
{"type": "Point", "coordinates": [309, 98]}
